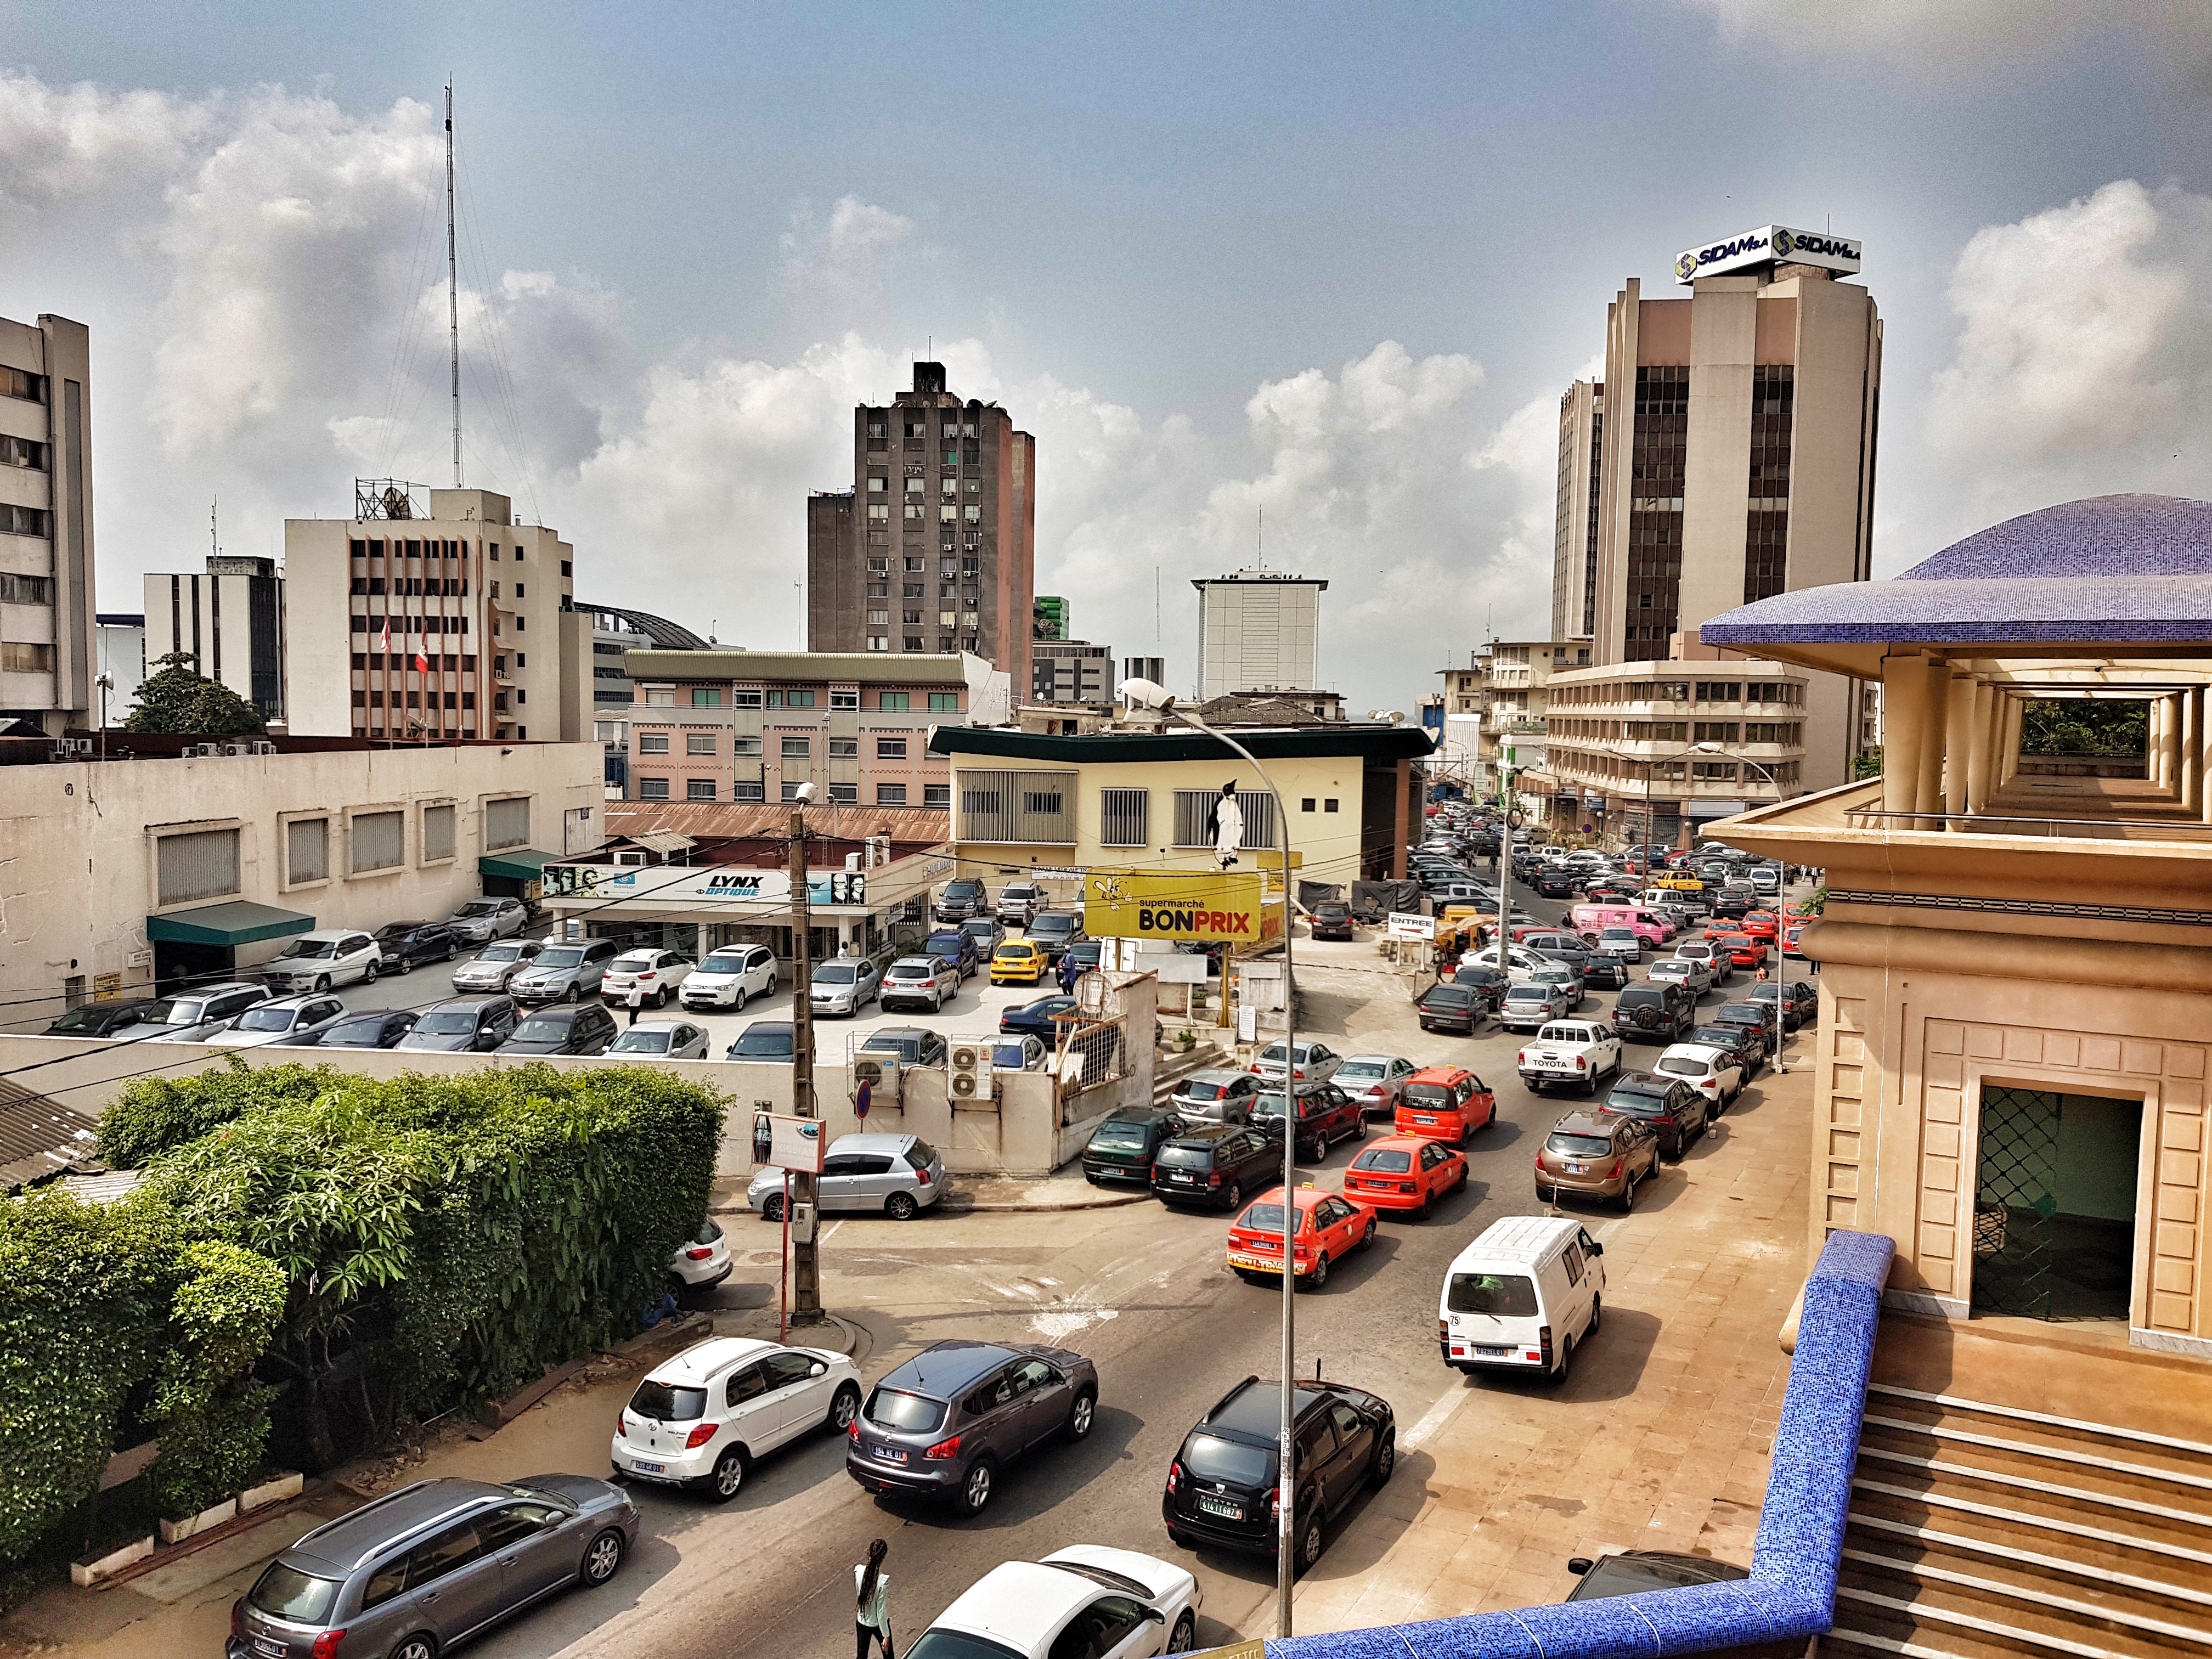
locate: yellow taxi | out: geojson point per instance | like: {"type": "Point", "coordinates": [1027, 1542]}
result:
{"type": "Point", "coordinates": [1018, 962]}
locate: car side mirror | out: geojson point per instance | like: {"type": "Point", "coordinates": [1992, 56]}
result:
{"type": "Point", "coordinates": [1596, 1248]}
{"type": "Point", "coordinates": [818, 1369]}
{"type": "Point", "coordinates": [1579, 1565]}
{"type": "Point", "coordinates": [1156, 1616]}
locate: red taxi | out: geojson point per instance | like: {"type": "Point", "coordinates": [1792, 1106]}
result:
{"type": "Point", "coordinates": [1791, 933]}
{"type": "Point", "coordinates": [1406, 1172]}
{"type": "Point", "coordinates": [1743, 949]}
{"type": "Point", "coordinates": [1327, 1226]}
{"type": "Point", "coordinates": [1443, 1103]}
{"type": "Point", "coordinates": [1759, 924]}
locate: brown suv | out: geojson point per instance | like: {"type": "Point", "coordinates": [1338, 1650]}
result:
{"type": "Point", "coordinates": [1596, 1155]}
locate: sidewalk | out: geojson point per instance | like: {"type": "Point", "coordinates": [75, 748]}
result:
{"type": "Point", "coordinates": [1659, 1438]}
{"type": "Point", "coordinates": [1063, 1189]}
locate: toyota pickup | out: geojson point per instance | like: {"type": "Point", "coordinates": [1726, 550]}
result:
{"type": "Point", "coordinates": [1581, 1052]}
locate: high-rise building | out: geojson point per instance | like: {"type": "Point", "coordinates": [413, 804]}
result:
{"type": "Point", "coordinates": [1574, 546]}
{"type": "Point", "coordinates": [1258, 630]}
{"type": "Point", "coordinates": [122, 646]}
{"type": "Point", "coordinates": [933, 549]}
{"type": "Point", "coordinates": [1154, 669]}
{"type": "Point", "coordinates": [47, 654]}
{"type": "Point", "coordinates": [1071, 671]}
{"type": "Point", "coordinates": [231, 620]}
{"type": "Point", "coordinates": [1050, 614]}
{"type": "Point", "coordinates": [453, 623]}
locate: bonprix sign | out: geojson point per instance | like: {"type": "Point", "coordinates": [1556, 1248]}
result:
{"type": "Point", "coordinates": [1203, 907]}
{"type": "Point", "coordinates": [1770, 244]}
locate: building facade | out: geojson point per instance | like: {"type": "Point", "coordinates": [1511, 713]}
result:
{"type": "Point", "coordinates": [934, 551]}
{"type": "Point", "coordinates": [1071, 671]}
{"type": "Point", "coordinates": [420, 619]}
{"type": "Point", "coordinates": [47, 652]}
{"type": "Point", "coordinates": [1258, 630]}
{"type": "Point", "coordinates": [1574, 545]}
{"type": "Point", "coordinates": [122, 646]}
{"type": "Point", "coordinates": [230, 619]}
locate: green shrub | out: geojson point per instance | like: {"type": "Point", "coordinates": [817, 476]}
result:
{"type": "Point", "coordinates": [157, 1115]}
{"type": "Point", "coordinates": [213, 1417]}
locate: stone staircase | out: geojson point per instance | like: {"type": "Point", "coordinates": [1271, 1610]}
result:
{"type": "Point", "coordinates": [1980, 1530]}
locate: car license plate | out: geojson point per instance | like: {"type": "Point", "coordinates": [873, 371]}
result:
{"type": "Point", "coordinates": [1418, 1119]}
{"type": "Point", "coordinates": [1220, 1506]}
{"type": "Point", "coordinates": [888, 1454]}
{"type": "Point", "coordinates": [269, 1645]}
{"type": "Point", "coordinates": [650, 1468]}
{"type": "Point", "coordinates": [1482, 1352]}
{"type": "Point", "coordinates": [1185, 1179]}
{"type": "Point", "coordinates": [1574, 1168]}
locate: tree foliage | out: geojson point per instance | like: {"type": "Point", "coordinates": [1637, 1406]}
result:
{"type": "Point", "coordinates": [2079, 725]}
{"type": "Point", "coordinates": [177, 698]}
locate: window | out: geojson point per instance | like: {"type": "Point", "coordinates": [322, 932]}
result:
{"type": "Point", "coordinates": [698, 789]}
{"type": "Point", "coordinates": [891, 748]}
{"type": "Point", "coordinates": [438, 838]}
{"type": "Point", "coordinates": [844, 749]}
{"type": "Point", "coordinates": [848, 794]}
{"type": "Point", "coordinates": [306, 850]}
{"type": "Point", "coordinates": [1328, 804]}
{"type": "Point", "coordinates": [878, 486]}
{"type": "Point", "coordinates": [937, 794]}
{"type": "Point", "coordinates": [891, 794]}
{"type": "Point", "coordinates": [21, 383]}
{"type": "Point", "coordinates": [200, 865]}
{"type": "Point", "coordinates": [652, 743]}
{"type": "Point", "coordinates": [744, 745]}
{"type": "Point", "coordinates": [943, 702]}
{"type": "Point", "coordinates": [706, 698]}
{"type": "Point", "coordinates": [661, 699]}
{"type": "Point", "coordinates": [913, 643]}
{"type": "Point", "coordinates": [798, 748]}
{"type": "Point", "coordinates": [653, 788]}
{"type": "Point", "coordinates": [1193, 808]}
{"type": "Point", "coordinates": [1306, 804]}
{"type": "Point", "coordinates": [914, 564]}
{"type": "Point", "coordinates": [1124, 817]}
{"type": "Point", "coordinates": [746, 699]}
{"type": "Point", "coordinates": [507, 823]}
{"type": "Point", "coordinates": [748, 789]}
{"type": "Point", "coordinates": [891, 699]}
{"type": "Point", "coordinates": [880, 642]}
{"type": "Point", "coordinates": [880, 619]}
{"type": "Point", "coordinates": [794, 700]}
{"type": "Point", "coordinates": [698, 743]}
{"type": "Point", "coordinates": [844, 700]}
{"type": "Point", "coordinates": [1017, 806]}
{"type": "Point", "coordinates": [26, 521]}
{"type": "Point", "coordinates": [791, 789]}
{"type": "Point", "coordinates": [1715, 731]}
{"type": "Point", "coordinates": [16, 658]}
{"type": "Point", "coordinates": [25, 590]}
{"type": "Point", "coordinates": [378, 841]}
{"type": "Point", "coordinates": [1714, 771]}
{"type": "Point", "coordinates": [916, 486]}
{"type": "Point", "coordinates": [973, 511]}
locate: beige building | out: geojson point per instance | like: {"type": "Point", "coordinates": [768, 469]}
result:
{"type": "Point", "coordinates": [1258, 630]}
{"type": "Point", "coordinates": [47, 655]}
{"type": "Point", "coordinates": [1574, 545]}
{"type": "Point", "coordinates": [231, 618]}
{"type": "Point", "coordinates": [420, 619]}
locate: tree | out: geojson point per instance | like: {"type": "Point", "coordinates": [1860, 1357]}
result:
{"type": "Point", "coordinates": [2082, 726]}
{"type": "Point", "coordinates": [179, 699]}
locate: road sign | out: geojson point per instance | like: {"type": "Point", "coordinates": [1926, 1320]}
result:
{"type": "Point", "coordinates": [1405, 925]}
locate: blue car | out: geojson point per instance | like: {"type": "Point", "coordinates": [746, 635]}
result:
{"type": "Point", "coordinates": [1035, 1018]}
{"type": "Point", "coordinates": [957, 946]}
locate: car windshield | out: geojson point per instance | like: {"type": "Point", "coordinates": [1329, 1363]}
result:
{"type": "Point", "coordinates": [447, 1022]}
{"type": "Point", "coordinates": [951, 942]}
{"type": "Point", "coordinates": [175, 1010]}
{"type": "Point", "coordinates": [1716, 1036]}
{"type": "Point", "coordinates": [1052, 922]}
{"type": "Point", "coordinates": [1359, 1071]}
{"type": "Point", "coordinates": [1443, 996]}
{"type": "Point", "coordinates": [764, 1042]}
{"type": "Point", "coordinates": [1509, 1296]}
{"type": "Point", "coordinates": [724, 961]}
{"type": "Point", "coordinates": [835, 973]}
{"type": "Point", "coordinates": [84, 1019]}
{"type": "Point", "coordinates": [1579, 1146]}
{"type": "Point", "coordinates": [1273, 1105]}
{"type": "Point", "coordinates": [636, 963]}
{"type": "Point", "coordinates": [963, 890]}
{"type": "Point", "coordinates": [1263, 1218]}
{"type": "Point", "coordinates": [1745, 1010]}
{"type": "Point", "coordinates": [398, 930]}
{"type": "Point", "coordinates": [986, 929]}
{"type": "Point", "coordinates": [957, 1644]}
{"type": "Point", "coordinates": [300, 949]}
{"type": "Point", "coordinates": [1119, 1138]}
{"type": "Point", "coordinates": [296, 1597]}
{"type": "Point", "coordinates": [267, 1020]}
{"type": "Point", "coordinates": [1015, 1054]}
{"type": "Point", "coordinates": [1390, 1160]}
{"type": "Point", "coordinates": [1202, 1091]}
{"type": "Point", "coordinates": [667, 1403]}
{"type": "Point", "coordinates": [642, 1042]}
{"type": "Point", "coordinates": [1680, 1065]}
{"type": "Point", "coordinates": [1635, 999]}
{"type": "Point", "coordinates": [1433, 1095]}
{"type": "Point", "coordinates": [1636, 1102]}
{"type": "Point", "coordinates": [914, 970]}
{"type": "Point", "coordinates": [479, 908]}
{"type": "Point", "coordinates": [1617, 934]}
{"type": "Point", "coordinates": [1210, 1457]}
{"type": "Point", "coordinates": [1538, 992]}
{"type": "Point", "coordinates": [543, 1029]}
{"type": "Point", "coordinates": [507, 951]}
{"type": "Point", "coordinates": [910, 1413]}
{"type": "Point", "coordinates": [356, 1034]}
{"type": "Point", "coordinates": [905, 1048]}
{"type": "Point", "coordinates": [1185, 1157]}
{"type": "Point", "coordinates": [560, 955]}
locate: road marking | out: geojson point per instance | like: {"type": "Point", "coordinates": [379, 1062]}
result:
{"type": "Point", "coordinates": [831, 1233]}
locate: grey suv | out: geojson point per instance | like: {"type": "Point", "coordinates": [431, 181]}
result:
{"type": "Point", "coordinates": [564, 971]}
{"type": "Point", "coordinates": [941, 1424]}
{"type": "Point", "coordinates": [424, 1568]}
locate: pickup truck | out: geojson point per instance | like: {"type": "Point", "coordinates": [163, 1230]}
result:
{"type": "Point", "coordinates": [1582, 1052]}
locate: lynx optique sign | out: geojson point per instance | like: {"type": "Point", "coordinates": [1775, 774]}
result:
{"type": "Point", "coordinates": [1201, 907]}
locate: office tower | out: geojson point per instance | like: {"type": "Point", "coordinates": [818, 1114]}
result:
{"type": "Point", "coordinates": [1258, 630]}
{"type": "Point", "coordinates": [47, 653]}
{"type": "Point", "coordinates": [1574, 546]}
{"type": "Point", "coordinates": [231, 619]}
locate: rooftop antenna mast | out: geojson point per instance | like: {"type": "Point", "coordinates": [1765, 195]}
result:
{"type": "Point", "coordinates": [452, 286]}
{"type": "Point", "coordinates": [215, 536]}
{"type": "Point", "coordinates": [1259, 541]}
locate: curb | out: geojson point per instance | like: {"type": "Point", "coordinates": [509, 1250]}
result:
{"type": "Point", "coordinates": [1105, 1201]}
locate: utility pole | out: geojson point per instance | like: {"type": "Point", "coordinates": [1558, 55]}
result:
{"type": "Point", "coordinates": [805, 1270]}
{"type": "Point", "coordinates": [452, 286]}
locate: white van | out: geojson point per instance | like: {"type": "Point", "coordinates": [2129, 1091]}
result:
{"type": "Point", "coordinates": [1522, 1297]}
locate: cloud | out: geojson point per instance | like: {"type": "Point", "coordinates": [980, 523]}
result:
{"type": "Point", "coordinates": [835, 266]}
{"type": "Point", "coordinates": [61, 142]}
{"type": "Point", "coordinates": [1969, 37]}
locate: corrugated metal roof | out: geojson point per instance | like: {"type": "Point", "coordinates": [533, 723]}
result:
{"type": "Point", "coordinates": [38, 1139]}
{"type": "Point", "coordinates": [698, 819]}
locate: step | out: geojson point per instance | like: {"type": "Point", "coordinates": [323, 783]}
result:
{"type": "Point", "coordinates": [1968, 1454]}
{"type": "Point", "coordinates": [2064, 1439]}
{"type": "Point", "coordinates": [1871, 1627]}
{"type": "Point", "coordinates": [1947, 1612]}
{"type": "Point", "coordinates": [2108, 1540]}
{"type": "Point", "coordinates": [2195, 1448]}
{"type": "Point", "coordinates": [2159, 1580]}
{"type": "Point", "coordinates": [1926, 1477]}
{"type": "Point", "coordinates": [2065, 1593]}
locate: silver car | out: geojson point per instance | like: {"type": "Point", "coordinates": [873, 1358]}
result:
{"type": "Point", "coordinates": [844, 986]}
{"type": "Point", "coordinates": [662, 1039]}
{"type": "Point", "coordinates": [287, 1019]}
{"type": "Point", "coordinates": [482, 920]}
{"type": "Point", "coordinates": [1529, 1007]}
{"type": "Point", "coordinates": [1698, 975]}
{"type": "Point", "coordinates": [1215, 1096]}
{"type": "Point", "coordinates": [195, 1016]}
{"type": "Point", "coordinates": [496, 965]}
{"type": "Point", "coordinates": [466, 1025]}
{"type": "Point", "coordinates": [564, 972]}
{"type": "Point", "coordinates": [896, 1176]}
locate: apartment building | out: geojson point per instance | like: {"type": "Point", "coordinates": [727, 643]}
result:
{"type": "Point", "coordinates": [933, 549]}
{"type": "Point", "coordinates": [230, 618]}
{"type": "Point", "coordinates": [47, 654]}
{"type": "Point", "coordinates": [433, 613]}
{"type": "Point", "coordinates": [753, 726]}
{"type": "Point", "coordinates": [1258, 630]}
{"type": "Point", "coordinates": [616, 632]}
{"type": "Point", "coordinates": [1574, 541]}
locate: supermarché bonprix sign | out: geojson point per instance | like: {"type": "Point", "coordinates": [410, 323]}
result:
{"type": "Point", "coordinates": [1201, 906]}
{"type": "Point", "coordinates": [1768, 245]}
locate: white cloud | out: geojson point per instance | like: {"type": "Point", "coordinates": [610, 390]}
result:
{"type": "Point", "coordinates": [835, 266]}
{"type": "Point", "coordinates": [60, 143]}
{"type": "Point", "coordinates": [1968, 37]}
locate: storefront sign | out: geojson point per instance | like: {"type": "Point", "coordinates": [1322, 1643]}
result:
{"type": "Point", "coordinates": [1202, 907]}
{"type": "Point", "coordinates": [722, 884]}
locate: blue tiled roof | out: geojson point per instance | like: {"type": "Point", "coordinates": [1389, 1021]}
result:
{"type": "Point", "coordinates": [2111, 567]}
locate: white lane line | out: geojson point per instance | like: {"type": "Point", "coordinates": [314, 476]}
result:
{"type": "Point", "coordinates": [830, 1232]}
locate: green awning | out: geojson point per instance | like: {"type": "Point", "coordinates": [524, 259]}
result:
{"type": "Point", "coordinates": [516, 864]}
{"type": "Point", "coordinates": [235, 922]}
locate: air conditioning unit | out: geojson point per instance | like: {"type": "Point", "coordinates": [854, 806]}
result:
{"type": "Point", "coordinates": [262, 746]}
{"type": "Point", "coordinates": [969, 1075]}
{"type": "Point", "coordinates": [630, 857]}
{"type": "Point", "coordinates": [238, 749]}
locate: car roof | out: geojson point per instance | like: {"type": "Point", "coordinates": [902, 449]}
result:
{"type": "Point", "coordinates": [1215, 1074]}
{"type": "Point", "coordinates": [1703, 1051]}
{"type": "Point", "coordinates": [298, 998]}
{"type": "Point", "coordinates": [1202, 1134]}
{"type": "Point", "coordinates": [942, 1369]}
{"type": "Point", "coordinates": [1253, 1410]}
{"type": "Point", "coordinates": [885, 1036]}
{"type": "Point", "coordinates": [1380, 1059]}
{"type": "Point", "coordinates": [916, 961]}
{"type": "Point", "coordinates": [878, 1143]}
{"type": "Point", "coordinates": [711, 1357]}
{"type": "Point", "coordinates": [328, 932]}
{"type": "Point", "coordinates": [469, 1002]}
{"type": "Point", "coordinates": [1019, 1603]}
{"type": "Point", "coordinates": [658, 1025]}
{"type": "Point", "coordinates": [1518, 1238]}
{"type": "Point", "coordinates": [224, 989]}
{"type": "Point", "coordinates": [1582, 1122]}
{"type": "Point", "coordinates": [352, 1539]}
{"type": "Point", "coordinates": [1440, 1074]}
{"type": "Point", "coordinates": [1395, 1143]}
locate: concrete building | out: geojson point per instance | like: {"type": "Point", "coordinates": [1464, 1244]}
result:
{"type": "Point", "coordinates": [614, 633]}
{"type": "Point", "coordinates": [153, 863]}
{"type": "Point", "coordinates": [1154, 669]}
{"type": "Point", "coordinates": [933, 550]}
{"type": "Point", "coordinates": [1072, 670]}
{"type": "Point", "coordinates": [753, 726]}
{"type": "Point", "coordinates": [122, 646]}
{"type": "Point", "coordinates": [1258, 630]}
{"type": "Point", "coordinates": [231, 619]}
{"type": "Point", "coordinates": [1574, 544]}
{"type": "Point", "coordinates": [47, 655]}
{"type": "Point", "coordinates": [451, 581]}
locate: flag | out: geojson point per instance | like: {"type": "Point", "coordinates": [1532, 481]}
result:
{"type": "Point", "coordinates": [386, 646]}
{"type": "Point", "coordinates": [422, 663]}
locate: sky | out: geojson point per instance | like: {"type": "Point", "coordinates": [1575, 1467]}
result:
{"type": "Point", "coordinates": [1329, 264]}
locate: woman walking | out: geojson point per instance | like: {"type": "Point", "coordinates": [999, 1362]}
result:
{"type": "Point", "coordinates": [872, 1602]}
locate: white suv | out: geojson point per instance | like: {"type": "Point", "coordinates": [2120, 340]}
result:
{"type": "Point", "coordinates": [324, 961]}
{"type": "Point", "coordinates": [705, 1416]}
{"type": "Point", "coordinates": [657, 972]}
{"type": "Point", "coordinates": [730, 978]}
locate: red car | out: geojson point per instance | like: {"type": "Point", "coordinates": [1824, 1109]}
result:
{"type": "Point", "coordinates": [1406, 1172]}
{"type": "Point", "coordinates": [1761, 924]}
{"type": "Point", "coordinates": [1445, 1103]}
{"type": "Point", "coordinates": [1327, 1227]}
{"type": "Point", "coordinates": [1743, 949]}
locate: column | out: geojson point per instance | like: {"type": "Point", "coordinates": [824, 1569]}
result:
{"type": "Point", "coordinates": [2169, 734]}
{"type": "Point", "coordinates": [1958, 745]}
{"type": "Point", "coordinates": [1928, 789]}
{"type": "Point", "coordinates": [1981, 743]}
{"type": "Point", "coordinates": [2193, 750]}
{"type": "Point", "coordinates": [700, 952]}
{"type": "Point", "coordinates": [2009, 747]}
{"type": "Point", "coordinates": [1904, 726]}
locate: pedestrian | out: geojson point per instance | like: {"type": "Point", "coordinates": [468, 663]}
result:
{"type": "Point", "coordinates": [1067, 972]}
{"type": "Point", "coordinates": [872, 1602]}
{"type": "Point", "coordinates": [636, 998]}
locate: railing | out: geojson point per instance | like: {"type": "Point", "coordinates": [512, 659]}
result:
{"type": "Point", "coordinates": [1874, 818]}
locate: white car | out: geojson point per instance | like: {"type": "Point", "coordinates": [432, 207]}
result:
{"type": "Point", "coordinates": [662, 1039]}
{"type": "Point", "coordinates": [323, 960]}
{"type": "Point", "coordinates": [730, 978]}
{"type": "Point", "coordinates": [702, 1262]}
{"type": "Point", "coordinates": [1713, 1073]}
{"type": "Point", "coordinates": [482, 920]}
{"type": "Point", "coordinates": [1315, 1062]}
{"type": "Point", "coordinates": [1683, 971]}
{"type": "Point", "coordinates": [704, 1418]}
{"type": "Point", "coordinates": [195, 1016]}
{"type": "Point", "coordinates": [1086, 1599]}
{"type": "Point", "coordinates": [1524, 962]}
{"type": "Point", "coordinates": [284, 1020]}
{"type": "Point", "coordinates": [495, 965]}
{"type": "Point", "coordinates": [655, 972]}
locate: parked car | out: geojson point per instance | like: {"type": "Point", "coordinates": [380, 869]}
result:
{"type": "Point", "coordinates": [1716, 958]}
{"type": "Point", "coordinates": [280, 1021]}
{"type": "Point", "coordinates": [1331, 919]}
{"type": "Point", "coordinates": [1755, 1017]}
{"type": "Point", "coordinates": [1555, 884]}
{"type": "Point", "coordinates": [564, 971]}
{"type": "Point", "coordinates": [1605, 973]}
{"type": "Point", "coordinates": [1086, 1599]}
{"type": "Point", "coordinates": [1655, 1009]}
{"type": "Point", "coordinates": [898, 1175]}
{"type": "Point", "coordinates": [1445, 1103]}
{"type": "Point", "coordinates": [1223, 1481]}
{"type": "Point", "coordinates": [1019, 962]}
{"type": "Point", "coordinates": [1325, 1115]}
{"type": "Point", "coordinates": [194, 1016]}
{"type": "Point", "coordinates": [903, 1045]}
{"type": "Point", "coordinates": [1582, 1052]}
{"type": "Point", "coordinates": [928, 981]}
{"type": "Point", "coordinates": [1449, 1005]}
{"type": "Point", "coordinates": [702, 1262]}
{"type": "Point", "coordinates": [496, 965]}
{"type": "Point", "coordinates": [655, 974]}
{"type": "Point", "coordinates": [1376, 1081]}
{"type": "Point", "coordinates": [324, 960]}
{"type": "Point", "coordinates": [1522, 1297]}
{"type": "Point", "coordinates": [765, 1042]}
{"type": "Point", "coordinates": [703, 1417]}
{"type": "Point", "coordinates": [844, 986]}
{"type": "Point", "coordinates": [1019, 901]}
{"type": "Point", "coordinates": [581, 1031]}
{"type": "Point", "coordinates": [376, 1028]}
{"type": "Point", "coordinates": [1533, 1004]}
{"type": "Point", "coordinates": [1594, 1154]}
{"type": "Point", "coordinates": [1406, 1174]}
{"type": "Point", "coordinates": [482, 920]}
{"type": "Point", "coordinates": [1055, 930]}
{"type": "Point", "coordinates": [422, 1569]}
{"type": "Point", "coordinates": [1697, 976]}
{"type": "Point", "coordinates": [1036, 1018]}
{"type": "Point", "coordinates": [1630, 1572]}
{"type": "Point", "coordinates": [1488, 983]}
{"type": "Point", "coordinates": [1621, 942]}
{"type": "Point", "coordinates": [1674, 1111]}
{"type": "Point", "coordinates": [1085, 953]}
{"type": "Point", "coordinates": [406, 944]}
{"type": "Point", "coordinates": [1730, 904]}
{"type": "Point", "coordinates": [101, 1019]}
{"type": "Point", "coordinates": [942, 1423]}
{"type": "Point", "coordinates": [987, 932]}
{"type": "Point", "coordinates": [955, 947]}
{"type": "Point", "coordinates": [961, 900]}
{"type": "Point", "coordinates": [1215, 1096]}
{"type": "Point", "coordinates": [1216, 1163]}
{"type": "Point", "coordinates": [729, 978]}
{"type": "Point", "coordinates": [1325, 1228]}
{"type": "Point", "coordinates": [1800, 1000]}
{"type": "Point", "coordinates": [1313, 1062]}
{"type": "Point", "coordinates": [1748, 1046]}
{"type": "Point", "coordinates": [464, 1026]}
{"type": "Point", "coordinates": [1121, 1148]}
{"type": "Point", "coordinates": [662, 1039]}
{"type": "Point", "coordinates": [1716, 1073]}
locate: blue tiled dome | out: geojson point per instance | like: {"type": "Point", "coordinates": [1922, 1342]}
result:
{"type": "Point", "coordinates": [2100, 535]}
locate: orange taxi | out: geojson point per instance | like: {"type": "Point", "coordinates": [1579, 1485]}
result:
{"type": "Point", "coordinates": [1443, 1103]}
{"type": "Point", "coordinates": [1326, 1227]}
{"type": "Point", "coordinates": [1406, 1172]}
{"type": "Point", "coordinates": [1761, 924]}
{"type": "Point", "coordinates": [1744, 949]}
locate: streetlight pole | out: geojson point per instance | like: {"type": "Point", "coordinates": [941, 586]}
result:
{"type": "Point", "coordinates": [1780, 1070]}
{"type": "Point", "coordinates": [805, 1268]}
{"type": "Point", "coordinates": [1149, 696]}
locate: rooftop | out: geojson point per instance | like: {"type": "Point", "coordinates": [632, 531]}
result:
{"type": "Point", "coordinates": [1370, 739]}
{"type": "Point", "coordinates": [859, 667]}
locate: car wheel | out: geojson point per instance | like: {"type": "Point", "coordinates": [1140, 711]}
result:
{"type": "Point", "coordinates": [975, 1490]}
{"type": "Point", "coordinates": [604, 1557]}
{"type": "Point", "coordinates": [1566, 1359]}
{"type": "Point", "coordinates": [1081, 1415]}
{"type": "Point", "coordinates": [1233, 1196]}
{"type": "Point", "coordinates": [572, 995]}
{"type": "Point", "coordinates": [1459, 1184]}
{"type": "Point", "coordinates": [416, 1647]}
{"type": "Point", "coordinates": [1597, 1313]}
{"type": "Point", "coordinates": [322, 981]}
{"type": "Point", "coordinates": [772, 1208]}
{"type": "Point", "coordinates": [739, 1006]}
{"type": "Point", "coordinates": [406, 966]}
{"type": "Point", "coordinates": [452, 951]}
{"type": "Point", "coordinates": [1366, 1239]}
{"type": "Point", "coordinates": [1310, 1541]}
{"type": "Point", "coordinates": [1319, 1276]}
{"type": "Point", "coordinates": [1628, 1195]}
{"type": "Point", "coordinates": [368, 973]}
{"type": "Point", "coordinates": [843, 1409]}
{"type": "Point", "coordinates": [1386, 1457]}
{"type": "Point", "coordinates": [1426, 1208]}
{"type": "Point", "coordinates": [728, 1476]}
{"type": "Point", "coordinates": [1186, 1631]}
{"type": "Point", "coordinates": [901, 1207]}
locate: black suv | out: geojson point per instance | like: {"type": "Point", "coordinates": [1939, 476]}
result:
{"type": "Point", "coordinates": [1222, 1484]}
{"type": "Point", "coordinates": [1121, 1148]}
{"type": "Point", "coordinates": [961, 900]}
{"type": "Point", "coordinates": [1325, 1115]}
{"type": "Point", "coordinates": [1218, 1164]}
{"type": "Point", "coordinates": [1331, 919]}
{"type": "Point", "coordinates": [1661, 1009]}
{"type": "Point", "coordinates": [1676, 1113]}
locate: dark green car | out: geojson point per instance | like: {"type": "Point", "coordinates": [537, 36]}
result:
{"type": "Point", "coordinates": [1122, 1147]}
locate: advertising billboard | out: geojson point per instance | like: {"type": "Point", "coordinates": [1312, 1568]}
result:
{"type": "Point", "coordinates": [1200, 907]}
{"type": "Point", "coordinates": [1768, 245]}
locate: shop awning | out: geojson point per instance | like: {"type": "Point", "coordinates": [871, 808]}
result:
{"type": "Point", "coordinates": [238, 921]}
{"type": "Point", "coordinates": [516, 864]}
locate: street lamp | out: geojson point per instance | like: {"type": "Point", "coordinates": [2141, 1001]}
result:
{"type": "Point", "coordinates": [1774, 783]}
{"type": "Point", "coordinates": [1145, 694]}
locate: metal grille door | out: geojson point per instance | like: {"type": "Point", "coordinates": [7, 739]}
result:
{"type": "Point", "coordinates": [2015, 1201]}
